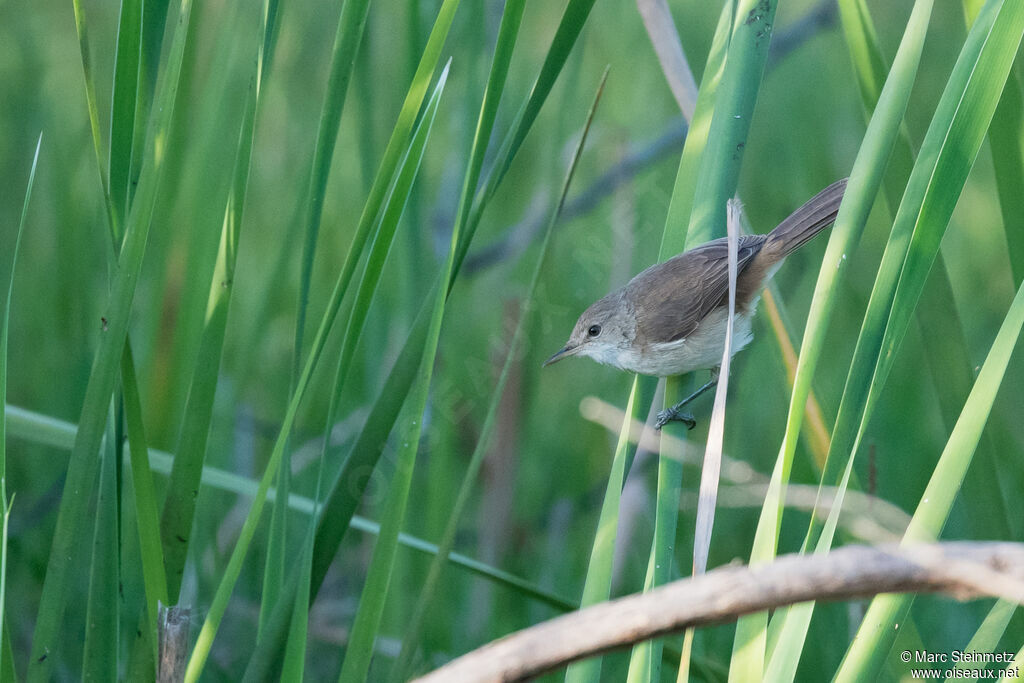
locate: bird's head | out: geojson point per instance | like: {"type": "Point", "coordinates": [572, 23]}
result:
{"type": "Point", "coordinates": [604, 332]}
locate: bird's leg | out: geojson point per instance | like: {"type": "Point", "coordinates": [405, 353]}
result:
{"type": "Point", "coordinates": [673, 413]}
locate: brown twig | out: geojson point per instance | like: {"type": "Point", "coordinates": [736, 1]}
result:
{"type": "Point", "coordinates": [724, 594]}
{"type": "Point", "coordinates": [173, 627]}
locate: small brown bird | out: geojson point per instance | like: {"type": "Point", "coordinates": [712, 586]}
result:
{"type": "Point", "coordinates": [671, 318]}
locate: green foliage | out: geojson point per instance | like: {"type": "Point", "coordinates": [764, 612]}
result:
{"type": "Point", "coordinates": [319, 271]}
{"type": "Point", "coordinates": [6, 655]}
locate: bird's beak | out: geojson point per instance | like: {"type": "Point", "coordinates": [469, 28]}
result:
{"type": "Point", "coordinates": [563, 353]}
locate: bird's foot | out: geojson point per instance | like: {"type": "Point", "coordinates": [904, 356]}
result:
{"type": "Point", "coordinates": [674, 415]}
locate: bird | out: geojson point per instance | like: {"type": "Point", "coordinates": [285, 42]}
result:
{"type": "Point", "coordinates": [671, 318]}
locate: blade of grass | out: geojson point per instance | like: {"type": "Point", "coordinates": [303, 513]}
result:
{"type": "Point", "coordinates": [122, 129]}
{"type": "Point", "coordinates": [410, 641]}
{"type": "Point", "coordinates": [343, 57]}
{"type": "Point", "coordinates": [946, 157]}
{"type": "Point", "coordinates": [122, 134]}
{"type": "Point", "coordinates": [226, 585]}
{"type": "Point", "coordinates": [294, 663]}
{"type": "Point", "coordinates": [569, 27]}
{"type": "Point", "coordinates": [896, 249]}
{"type": "Point", "coordinates": [83, 464]}
{"type": "Point", "coordinates": [216, 104]}
{"type": "Point", "coordinates": [711, 468]}
{"type": "Point", "coordinates": [384, 234]}
{"type": "Point", "coordinates": [351, 26]}
{"type": "Point", "coordinates": [342, 500]}
{"type": "Point", "coordinates": [1015, 666]}
{"type": "Point", "coordinates": [349, 35]}
{"type": "Point", "coordinates": [145, 498]}
{"type": "Point", "coordinates": [99, 656]}
{"type": "Point", "coordinates": [986, 638]}
{"type": "Point", "coordinates": [677, 71]}
{"type": "Point", "coordinates": [994, 514]}
{"type": "Point", "coordinates": [881, 297]}
{"type": "Point", "coordinates": [988, 495]}
{"type": "Point", "coordinates": [179, 503]}
{"type": "Point", "coordinates": [5, 328]}
{"type": "Point", "coordinates": [381, 246]}
{"type": "Point", "coordinates": [7, 665]}
{"type": "Point", "coordinates": [396, 147]}
{"type": "Point", "coordinates": [597, 585]}
{"type": "Point", "coordinates": [50, 431]}
{"type": "Point", "coordinates": [154, 24]}
{"type": "Point", "coordinates": [674, 240]}
{"type": "Point", "coordinates": [939, 144]}
{"type": "Point", "coordinates": [949, 148]}
{"type": "Point", "coordinates": [864, 184]}
{"type": "Point", "coordinates": [954, 163]}
{"type": "Point", "coordinates": [950, 363]}
{"type": "Point", "coordinates": [337, 86]}
{"type": "Point", "coordinates": [397, 144]}
{"type": "Point", "coordinates": [384, 229]}
{"type": "Point", "coordinates": [94, 119]}
{"type": "Point", "coordinates": [730, 124]}
{"type": "Point", "coordinates": [870, 647]}
{"type": "Point", "coordinates": [862, 42]}
{"type": "Point", "coordinates": [124, 109]}
{"type": "Point", "coordinates": [127, 120]}
{"type": "Point", "coordinates": [1008, 161]}
{"type": "Point", "coordinates": [123, 114]}
{"type": "Point", "coordinates": [122, 117]}
{"type": "Point", "coordinates": [1005, 137]}
{"type": "Point", "coordinates": [716, 178]}
{"type": "Point", "coordinates": [371, 603]}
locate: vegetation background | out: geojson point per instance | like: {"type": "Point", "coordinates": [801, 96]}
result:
{"type": "Point", "coordinates": [530, 518]}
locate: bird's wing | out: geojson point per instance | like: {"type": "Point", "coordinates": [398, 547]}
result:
{"type": "Point", "coordinates": [666, 312]}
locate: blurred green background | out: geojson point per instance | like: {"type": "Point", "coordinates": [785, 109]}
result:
{"type": "Point", "coordinates": [535, 505]}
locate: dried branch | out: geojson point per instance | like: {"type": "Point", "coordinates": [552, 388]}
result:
{"type": "Point", "coordinates": [869, 518]}
{"type": "Point", "coordinates": [173, 649]}
{"type": "Point", "coordinates": [961, 569]}
{"type": "Point", "coordinates": [661, 29]}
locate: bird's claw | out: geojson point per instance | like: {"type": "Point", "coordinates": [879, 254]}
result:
{"type": "Point", "coordinates": [674, 415]}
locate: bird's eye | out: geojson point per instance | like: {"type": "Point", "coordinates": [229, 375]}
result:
{"type": "Point", "coordinates": [594, 330]}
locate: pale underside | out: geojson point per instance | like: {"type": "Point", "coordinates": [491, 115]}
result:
{"type": "Point", "coordinates": [701, 349]}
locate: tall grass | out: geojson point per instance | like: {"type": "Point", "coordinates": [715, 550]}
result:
{"type": "Point", "coordinates": [271, 298]}
{"type": "Point", "coordinates": [6, 654]}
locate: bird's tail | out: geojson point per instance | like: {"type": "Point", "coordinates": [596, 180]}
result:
{"type": "Point", "coordinates": [817, 214]}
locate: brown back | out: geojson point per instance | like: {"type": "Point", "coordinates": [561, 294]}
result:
{"type": "Point", "coordinates": [671, 298]}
